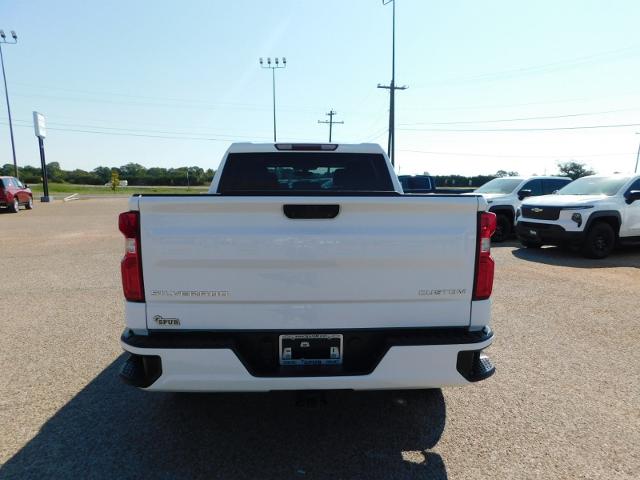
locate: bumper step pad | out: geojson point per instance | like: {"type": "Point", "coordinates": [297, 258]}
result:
{"type": "Point", "coordinates": [483, 367]}
{"type": "Point", "coordinates": [475, 365]}
{"type": "Point", "coordinates": [141, 370]}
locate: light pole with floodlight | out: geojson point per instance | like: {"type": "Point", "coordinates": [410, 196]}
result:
{"type": "Point", "coordinates": [3, 39]}
{"type": "Point", "coordinates": [276, 64]}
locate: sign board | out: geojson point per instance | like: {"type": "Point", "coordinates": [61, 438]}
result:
{"type": "Point", "coordinates": [39, 125]}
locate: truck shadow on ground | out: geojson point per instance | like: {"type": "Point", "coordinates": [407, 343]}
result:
{"type": "Point", "coordinates": [110, 430]}
{"type": "Point", "coordinates": [565, 257]}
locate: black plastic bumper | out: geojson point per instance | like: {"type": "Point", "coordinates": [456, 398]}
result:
{"type": "Point", "coordinates": [547, 234]}
{"type": "Point", "coordinates": [258, 350]}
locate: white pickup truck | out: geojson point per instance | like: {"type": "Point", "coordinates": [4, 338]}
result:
{"type": "Point", "coordinates": [305, 267]}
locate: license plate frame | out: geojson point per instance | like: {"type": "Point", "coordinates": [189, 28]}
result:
{"type": "Point", "coordinates": [311, 349]}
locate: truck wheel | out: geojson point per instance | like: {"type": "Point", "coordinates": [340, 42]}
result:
{"type": "Point", "coordinates": [29, 205]}
{"type": "Point", "coordinates": [503, 229]}
{"type": "Point", "coordinates": [600, 241]}
{"type": "Point", "coordinates": [15, 206]}
{"type": "Point", "coordinates": [530, 244]}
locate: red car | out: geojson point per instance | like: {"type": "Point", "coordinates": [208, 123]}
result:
{"type": "Point", "coordinates": [14, 193]}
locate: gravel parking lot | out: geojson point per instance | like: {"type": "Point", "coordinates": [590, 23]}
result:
{"type": "Point", "coordinates": [564, 403]}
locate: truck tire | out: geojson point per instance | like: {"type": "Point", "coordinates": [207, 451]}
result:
{"type": "Point", "coordinates": [15, 205]}
{"type": "Point", "coordinates": [503, 229]}
{"type": "Point", "coordinates": [600, 241]}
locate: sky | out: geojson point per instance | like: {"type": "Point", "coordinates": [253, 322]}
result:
{"type": "Point", "coordinates": [497, 84]}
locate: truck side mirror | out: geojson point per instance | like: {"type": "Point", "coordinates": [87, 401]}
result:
{"type": "Point", "coordinates": [522, 194]}
{"type": "Point", "coordinates": [632, 196]}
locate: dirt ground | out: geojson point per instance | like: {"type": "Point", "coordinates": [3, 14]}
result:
{"type": "Point", "coordinates": [564, 403]}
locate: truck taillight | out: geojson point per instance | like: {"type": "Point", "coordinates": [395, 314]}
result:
{"type": "Point", "coordinates": [131, 265]}
{"type": "Point", "coordinates": [484, 263]}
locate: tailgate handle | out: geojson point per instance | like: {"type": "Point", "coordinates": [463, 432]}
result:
{"type": "Point", "coordinates": [306, 212]}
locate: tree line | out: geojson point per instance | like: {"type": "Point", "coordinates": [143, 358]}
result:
{"type": "Point", "coordinates": [134, 173]}
{"type": "Point", "coordinates": [571, 169]}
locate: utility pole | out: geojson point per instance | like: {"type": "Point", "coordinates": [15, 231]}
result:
{"type": "Point", "coordinates": [331, 122]}
{"type": "Point", "coordinates": [273, 66]}
{"type": "Point", "coordinates": [3, 39]}
{"type": "Point", "coordinates": [392, 86]}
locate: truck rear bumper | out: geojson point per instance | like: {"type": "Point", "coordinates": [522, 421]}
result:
{"type": "Point", "coordinates": [424, 358]}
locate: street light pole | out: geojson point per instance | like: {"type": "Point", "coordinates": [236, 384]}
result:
{"type": "Point", "coordinates": [273, 66]}
{"type": "Point", "coordinates": [3, 39]}
{"type": "Point", "coordinates": [392, 87]}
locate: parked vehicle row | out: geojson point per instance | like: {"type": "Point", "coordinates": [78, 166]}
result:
{"type": "Point", "coordinates": [594, 214]}
{"type": "Point", "coordinates": [505, 195]}
{"type": "Point", "coordinates": [13, 194]}
{"type": "Point", "coordinates": [420, 184]}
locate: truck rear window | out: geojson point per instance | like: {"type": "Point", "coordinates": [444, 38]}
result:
{"type": "Point", "coordinates": [305, 172]}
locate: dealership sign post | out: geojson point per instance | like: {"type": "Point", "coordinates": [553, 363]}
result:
{"type": "Point", "coordinates": [41, 132]}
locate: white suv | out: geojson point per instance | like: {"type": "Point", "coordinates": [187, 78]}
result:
{"type": "Point", "coordinates": [505, 195]}
{"type": "Point", "coordinates": [595, 213]}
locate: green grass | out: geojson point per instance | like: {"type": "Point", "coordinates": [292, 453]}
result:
{"type": "Point", "coordinates": [65, 189]}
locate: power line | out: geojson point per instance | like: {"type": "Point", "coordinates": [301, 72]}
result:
{"type": "Point", "coordinates": [376, 135]}
{"type": "Point", "coordinates": [198, 101]}
{"type": "Point", "coordinates": [128, 95]}
{"type": "Point", "coordinates": [173, 133]}
{"type": "Point", "coordinates": [129, 134]}
{"type": "Point", "coordinates": [523, 119]}
{"type": "Point", "coordinates": [491, 155]}
{"type": "Point", "coordinates": [374, 124]}
{"type": "Point", "coordinates": [132, 130]}
{"type": "Point", "coordinates": [196, 106]}
{"type": "Point", "coordinates": [537, 69]}
{"type": "Point", "coordinates": [524, 104]}
{"type": "Point", "coordinates": [157, 101]}
{"type": "Point", "coordinates": [548, 129]}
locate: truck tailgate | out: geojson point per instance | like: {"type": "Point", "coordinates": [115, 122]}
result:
{"type": "Point", "coordinates": [232, 262]}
